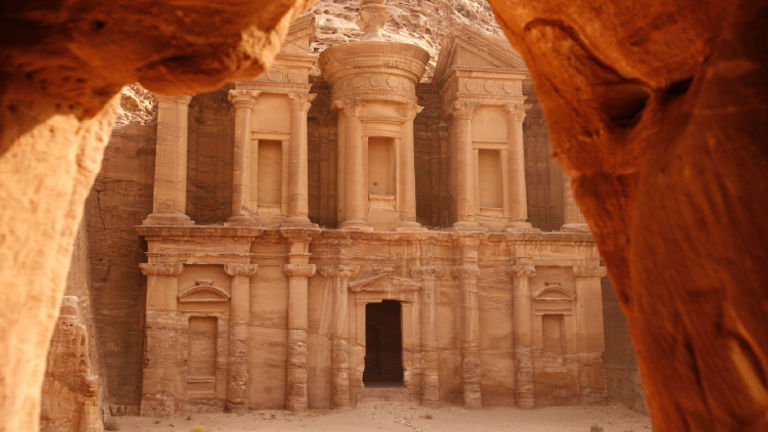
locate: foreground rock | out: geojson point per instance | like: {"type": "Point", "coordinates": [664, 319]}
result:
{"type": "Point", "coordinates": [657, 109]}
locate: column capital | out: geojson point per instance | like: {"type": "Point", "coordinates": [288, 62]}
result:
{"type": "Point", "coordinates": [236, 269]}
{"type": "Point", "coordinates": [462, 109]}
{"type": "Point", "coordinates": [299, 270]}
{"type": "Point", "coordinates": [517, 111]}
{"type": "Point", "coordinates": [181, 100]}
{"type": "Point", "coordinates": [351, 107]}
{"type": "Point", "coordinates": [303, 234]}
{"type": "Point", "coordinates": [242, 98]}
{"type": "Point", "coordinates": [341, 271]}
{"type": "Point", "coordinates": [301, 101]}
{"type": "Point", "coordinates": [522, 270]}
{"type": "Point", "coordinates": [411, 110]}
{"type": "Point", "coordinates": [465, 271]}
{"type": "Point", "coordinates": [426, 272]}
{"type": "Point", "coordinates": [165, 269]}
{"type": "Point", "coordinates": [588, 269]}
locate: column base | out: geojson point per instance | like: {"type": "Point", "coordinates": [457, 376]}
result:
{"type": "Point", "coordinates": [168, 219]}
{"type": "Point", "coordinates": [468, 226]}
{"type": "Point", "coordinates": [298, 222]}
{"type": "Point", "coordinates": [575, 227]}
{"type": "Point", "coordinates": [242, 220]}
{"type": "Point", "coordinates": [409, 226]}
{"type": "Point", "coordinates": [521, 227]}
{"type": "Point", "coordinates": [356, 225]}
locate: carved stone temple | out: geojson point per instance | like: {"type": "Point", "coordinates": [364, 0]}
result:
{"type": "Point", "coordinates": [384, 231]}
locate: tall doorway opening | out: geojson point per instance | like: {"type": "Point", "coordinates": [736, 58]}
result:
{"type": "Point", "coordinates": [383, 344]}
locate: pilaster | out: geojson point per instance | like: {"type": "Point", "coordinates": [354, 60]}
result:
{"type": "Point", "coordinates": [160, 381]}
{"type": "Point", "coordinates": [239, 317]}
{"type": "Point", "coordinates": [521, 273]}
{"type": "Point", "coordinates": [517, 212]}
{"type": "Point", "coordinates": [430, 395]}
{"type": "Point", "coordinates": [466, 201]}
{"type": "Point", "coordinates": [590, 342]}
{"type": "Point", "coordinates": [298, 271]}
{"type": "Point", "coordinates": [407, 200]}
{"type": "Point", "coordinates": [573, 220]}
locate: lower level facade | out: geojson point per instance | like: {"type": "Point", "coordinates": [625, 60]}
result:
{"type": "Point", "coordinates": [242, 317]}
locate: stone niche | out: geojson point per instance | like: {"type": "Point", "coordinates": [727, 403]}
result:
{"type": "Point", "coordinates": [266, 310]}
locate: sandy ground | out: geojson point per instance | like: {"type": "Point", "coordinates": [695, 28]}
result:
{"type": "Point", "coordinates": [398, 416]}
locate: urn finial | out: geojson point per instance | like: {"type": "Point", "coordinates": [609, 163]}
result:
{"type": "Point", "coordinates": [373, 16]}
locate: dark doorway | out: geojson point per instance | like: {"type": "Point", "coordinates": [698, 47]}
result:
{"type": "Point", "coordinates": [383, 345]}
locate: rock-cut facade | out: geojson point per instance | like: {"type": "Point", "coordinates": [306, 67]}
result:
{"type": "Point", "coordinates": [379, 231]}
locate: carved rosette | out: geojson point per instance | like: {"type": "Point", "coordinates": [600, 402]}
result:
{"type": "Point", "coordinates": [165, 269]}
{"type": "Point", "coordinates": [518, 271]}
{"type": "Point", "coordinates": [300, 270]}
{"type": "Point", "coordinates": [301, 101]}
{"type": "Point", "coordinates": [242, 98]}
{"type": "Point", "coordinates": [247, 270]}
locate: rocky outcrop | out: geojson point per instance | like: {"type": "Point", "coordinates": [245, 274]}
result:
{"type": "Point", "coordinates": [657, 110]}
{"type": "Point", "coordinates": [60, 73]}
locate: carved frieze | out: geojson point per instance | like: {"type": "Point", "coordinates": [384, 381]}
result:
{"type": "Point", "coordinates": [165, 269]}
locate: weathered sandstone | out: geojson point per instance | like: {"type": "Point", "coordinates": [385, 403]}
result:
{"type": "Point", "coordinates": [658, 111]}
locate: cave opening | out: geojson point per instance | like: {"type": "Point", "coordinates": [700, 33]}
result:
{"type": "Point", "coordinates": [383, 344]}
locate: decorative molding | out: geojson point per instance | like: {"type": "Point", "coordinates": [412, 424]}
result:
{"type": "Point", "coordinates": [154, 269]}
{"type": "Point", "coordinates": [463, 110]}
{"type": "Point", "coordinates": [242, 98]}
{"type": "Point", "coordinates": [203, 292]}
{"type": "Point", "coordinates": [426, 272]}
{"type": "Point", "coordinates": [589, 270]}
{"type": "Point", "coordinates": [301, 101]}
{"type": "Point", "coordinates": [234, 269]}
{"type": "Point", "coordinates": [181, 100]}
{"type": "Point", "coordinates": [299, 270]}
{"type": "Point", "coordinates": [524, 270]}
{"type": "Point", "coordinates": [553, 291]}
{"type": "Point", "coordinates": [465, 271]}
{"type": "Point", "coordinates": [384, 282]}
{"type": "Point", "coordinates": [338, 271]}
{"type": "Point", "coordinates": [517, 112]}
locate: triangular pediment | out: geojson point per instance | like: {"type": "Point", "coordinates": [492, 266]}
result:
{"type": "Point", "coordinates": [384, 282]}
{"type": "Point", "coordinates": [203, 292]}
{"type": "Point", "coordinates": [468, 48]}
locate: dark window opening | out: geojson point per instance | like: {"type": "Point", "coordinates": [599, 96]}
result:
{"type": "Point", "coordinates": [383, 344]}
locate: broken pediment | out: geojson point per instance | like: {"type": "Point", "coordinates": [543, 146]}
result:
{"type": "Point", "coordinates": [468, 48]}
{"type": "Point", "coordinates": [204, 292]}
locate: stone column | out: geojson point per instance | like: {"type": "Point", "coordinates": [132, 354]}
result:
{"type": "Point", "coordinates": [239, 317]}
{"type": "Point", "coordinates": [572, 217]}
{"type": "Point", "coordinates": [340, 334]}
{"type": "Point", "coordinates": [341, 144]}
{"type": "Point", "coordinates": [169, 199]}
{"type": "Point", "coordinates": [242, 208]}
{"type": "Point", "coordinates": [407, 189]}
{"type": "Point", "coordinates": [590, 338]}
{"type": "Point", "coordinates": [161, 369]}
{"type": "Point", "coordinates": [430, 395]}
{"type": "Point", "coordinates": [523, 323]}
{"type": "Point", "coordinates": [355, 187]}
{"type": "Point", "coordinates": [467, 274]}
{"type": "Point", "coordinates": [518, 202]}
{"type": "Point", "coordinates": [464, 161]}
{"type": "Point", "coordinates": [298, 201]}
{"type": "Point", "coordinates": [299, 271]}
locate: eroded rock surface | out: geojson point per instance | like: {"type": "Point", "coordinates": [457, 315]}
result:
{"type": "Point", "coordinates": [62, 64]}
{"type": "Point", "coordinates": [658, 111]}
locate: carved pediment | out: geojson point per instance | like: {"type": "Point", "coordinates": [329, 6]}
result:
{"type": "Point", "coordinates": [204, 292]}
{"type": "Point", "coordinates": [384, 282]}
{"type": "Point", "coordinates": [554, 291]}
{"type": "Point", "coordinates": [465, 47]}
